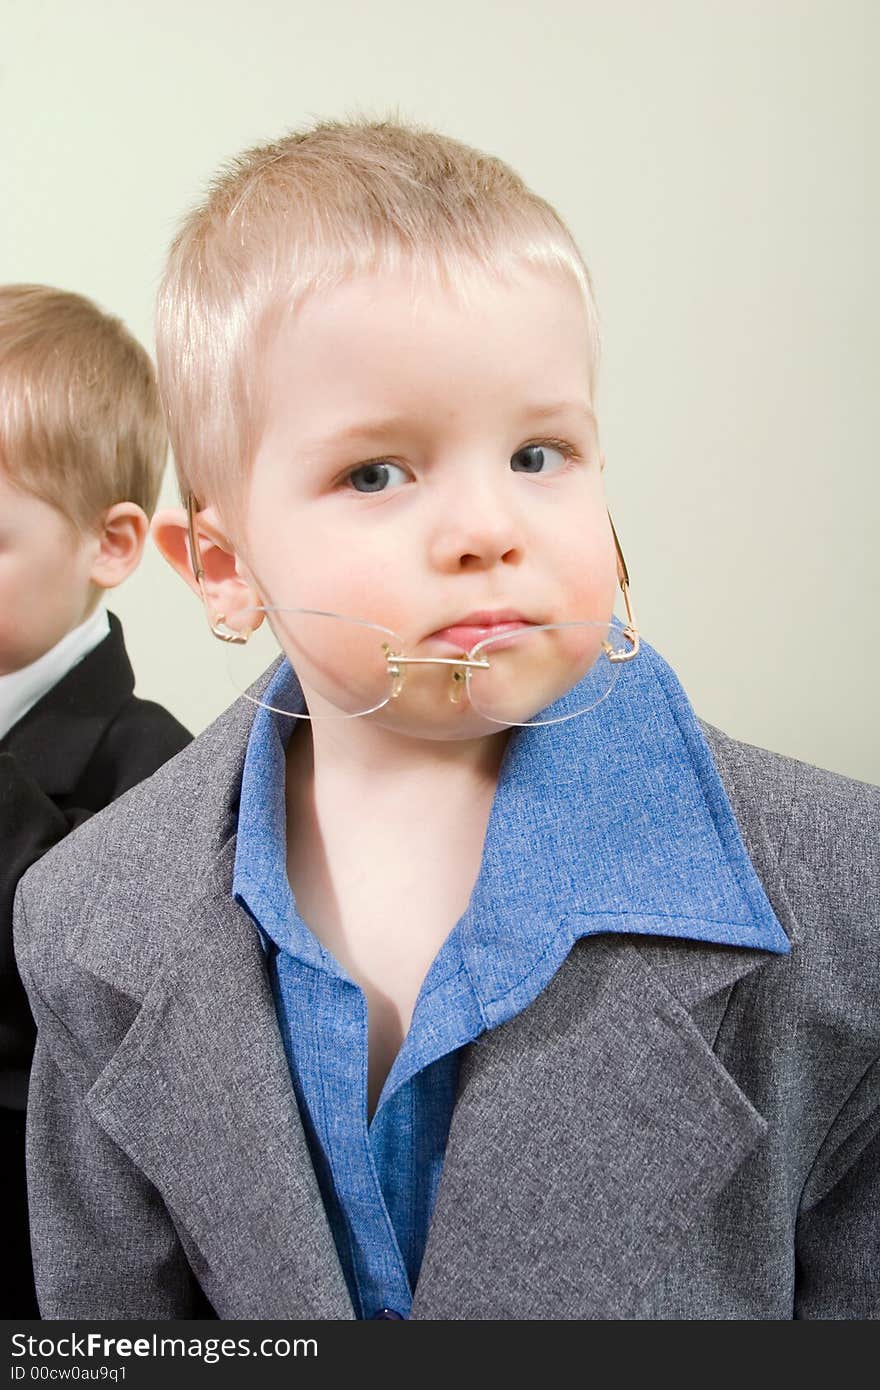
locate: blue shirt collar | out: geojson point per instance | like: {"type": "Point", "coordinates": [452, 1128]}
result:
{"type": "Point", "coordinates": [615, 821]}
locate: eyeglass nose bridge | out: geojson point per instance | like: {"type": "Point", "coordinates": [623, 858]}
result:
{"type": "Point", "coordinates": [461, 664]}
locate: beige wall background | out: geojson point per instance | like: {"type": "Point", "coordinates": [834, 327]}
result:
{"type": "Point", "coordinates": [717, 161]}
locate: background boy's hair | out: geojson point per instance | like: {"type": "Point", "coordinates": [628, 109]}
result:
{"type": "Point", "coordinates": [81, 423]}
{"type": "Point", "coordinates": [304, 214]}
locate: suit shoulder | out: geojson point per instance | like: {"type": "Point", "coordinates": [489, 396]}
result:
{"type": "Point", "coordinates": [141, 737]}
{"type": "Point", "coordinates": [797, 796]}
{"type": "Point", "coordinates": [157, 720]}
{"type": "Point", "coordinates": [100, 899]}
{"type": "Point", "coordinates": [132, 834]}
{"type": "Point", "coordinates": [818, 833]}
{"type": "Point", "coordinates": [152, 826]}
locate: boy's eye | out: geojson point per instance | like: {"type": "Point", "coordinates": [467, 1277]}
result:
{"type": "Point", "coordinates": [373, 476]}
{"type": "Point", "coordinates": [533, 457]}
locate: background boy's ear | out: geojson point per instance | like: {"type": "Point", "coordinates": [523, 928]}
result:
{"type": "Point", "coordinates": [229, 591]}
{"type": "Point", "coordinates": [120, 537]}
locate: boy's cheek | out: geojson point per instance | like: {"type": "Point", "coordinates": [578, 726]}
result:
{"type": "Point", "coordinates": [586, 564]}
{"type": "Point", "coordinates": [329, 573]}
{"type": "Point", "coordinates": [39, 605]}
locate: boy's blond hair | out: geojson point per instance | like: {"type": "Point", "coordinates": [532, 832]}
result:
{"type": "Point", "coordinates": [81, 423]}
{"type": "Point", "coordinates": [305, 214]}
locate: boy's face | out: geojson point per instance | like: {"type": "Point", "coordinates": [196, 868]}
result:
{"type": "Point", "coordinates": [467, 501]}
{"type": "Point", "coordinates": [45, 589]}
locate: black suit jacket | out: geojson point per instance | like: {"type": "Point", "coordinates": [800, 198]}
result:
{"type": "Point", "coordinates": [88, 740]}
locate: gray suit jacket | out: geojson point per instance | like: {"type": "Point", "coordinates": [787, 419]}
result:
{"type": "Point", "coordinates": [673, 1129]}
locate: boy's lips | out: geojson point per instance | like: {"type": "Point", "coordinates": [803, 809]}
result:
{"type": "Point", "coordinates": [466, 632]}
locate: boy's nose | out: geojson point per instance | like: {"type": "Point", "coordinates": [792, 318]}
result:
{"type": "Point", "coordinates": [477, 528]}
{"type": "Point", "coordinates": [479, 547]}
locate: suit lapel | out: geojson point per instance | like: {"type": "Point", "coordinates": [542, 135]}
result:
{"type": "Point", "coordinates": [199, 1095]}
{"type": "Point", "coordinates": [589, 1134]}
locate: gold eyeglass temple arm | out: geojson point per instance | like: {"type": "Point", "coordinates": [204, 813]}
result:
{"type": "Point", "coordinates": [631, 630]}
{"type": "Point", "coordinates": [218, 624]}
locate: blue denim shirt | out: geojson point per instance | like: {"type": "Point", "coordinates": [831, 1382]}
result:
{"type": "Point", "coordinates": [614, 821]}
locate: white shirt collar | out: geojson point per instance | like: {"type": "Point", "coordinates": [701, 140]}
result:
{"type": "Point", "coordinates": [20, 690]}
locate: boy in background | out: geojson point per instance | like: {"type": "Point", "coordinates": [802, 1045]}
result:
{"type": "Point", "coordinates": [396, 1004]}
{"type": "Point", "coordinates": [82, 452]}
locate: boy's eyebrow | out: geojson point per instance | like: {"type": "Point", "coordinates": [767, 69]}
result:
{"type": "Point", "coordinates": [377, 429]}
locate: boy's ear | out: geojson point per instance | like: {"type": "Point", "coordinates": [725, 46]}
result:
{"type": "Point", "coordinates": [120, 537]}
{"type": "Point", "coordinates": [228, 590]}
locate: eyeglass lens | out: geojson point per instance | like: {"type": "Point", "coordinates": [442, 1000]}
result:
{"type": "Point", "coordinates": [351, 667]}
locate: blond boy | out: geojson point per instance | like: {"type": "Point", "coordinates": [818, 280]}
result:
{"type": "Point", "coordinates": [82, 450]}
{"type": "Point", "coordinates": [448, 975]}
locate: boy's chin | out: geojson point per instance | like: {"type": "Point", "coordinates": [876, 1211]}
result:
{"type": "Point", "coordinates": [16, 656]}
{"type": "Point", "coordinates": [13, 660]}
{"type": "Point", "coordinates": [457, 727]}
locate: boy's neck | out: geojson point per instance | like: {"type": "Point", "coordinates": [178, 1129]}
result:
{"type": "Point", "coordinates": [373, 762]}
